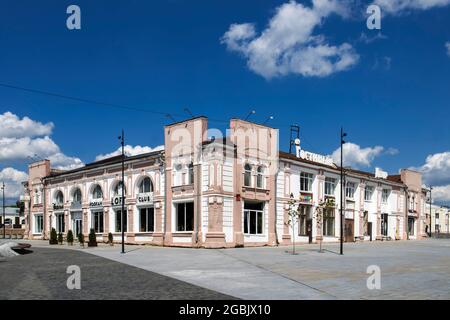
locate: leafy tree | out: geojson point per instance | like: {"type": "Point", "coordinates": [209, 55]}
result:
{"type": "Point", "coordinates": [60, 238]}
{"type": "Point", "coordinates": [53, 237]}
{"type": "Point", "coordinates": [70, 237]}
{"type": "Point", "coordinates": [318, 215]}
{"type": "Point", "coordinates": [92, 239]}
{"type": "Point", "coordinates": [81, 239]}
{"type": "Point", "coordinates": [293, 218]}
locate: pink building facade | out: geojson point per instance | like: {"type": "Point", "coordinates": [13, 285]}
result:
{"type": "Point", "coordinates": [224, 191]}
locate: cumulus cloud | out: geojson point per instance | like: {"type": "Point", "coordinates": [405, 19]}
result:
{"type": "Point", "coordinates": [24, 138]}
{"type": "Point", "coordinates": [399, 6]}
{"type": "Point", "coordinates": [13, 182]}
{"type": "Point", "coordinates": [436, 169]}
{"type": "Point", "coordinates": [288, 45]}
{"type": "Point", "coordinates": [11, 126]}
{"type": "Point", "coordinates": [355, 156]}
{"type": "Point", "coordinates": [129, 151]}
{"type": "Point", "coordinates": [441, 194]}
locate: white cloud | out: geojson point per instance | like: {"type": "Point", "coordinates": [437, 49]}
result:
{"type": "Point", "coordinates": [441, 194]}
{"type": "Point", "coordinates": [288, 45]}
{"type": "Point", "coordinates": [24, 138]}
{"type": "Point", "coordinates": [399, 6]}
{"type": "Point", "coordinates": [129, 151]}
{"type": "Point", "coordinates": [436, 170]}
{"type": "Point", "coordinates": [367, 39]}
{"type": "Point", "coordinates": [447, 45]}
{"type": "Point", "coordinates": [355, 156]}
{"type": "Point", "coordinates": [13, 182]}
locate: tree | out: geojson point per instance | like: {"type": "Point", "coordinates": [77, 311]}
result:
{"type": "Point", "coordinates": [70, 237]}
{"type": "Point", "coordinates": [92, 239]}
{"type": "Point", "coordinates": [110, 239]}
{"type": "Point", "coordinates": [81, 239]}
{"type": "Point", "coordinates": [318, 215]}
{"type": "Point", "coordinates": [53, 237]}
{"type": "Point", "coordinates": [293, 218]}
{"type": "Point", "coordinates": [60, 238]}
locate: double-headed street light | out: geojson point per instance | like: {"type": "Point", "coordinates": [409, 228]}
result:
{"type": "Point", "coordinates": [343, 134]}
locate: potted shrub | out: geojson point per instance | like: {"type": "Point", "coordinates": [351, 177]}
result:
{"type": "Point", "coordinates": [110, 239]}
{"type": "Point", "coordinates": [53, 237]}
{"type": "Point", "coordinates": [60, 238]}
{"type": "Point", "coordinates": [92, 239]}
{"type": "Point", "coordinates": [70, 237]}
{"type": "Point", "coordinates": [81, 239]}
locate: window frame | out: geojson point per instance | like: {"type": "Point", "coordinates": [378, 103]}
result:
{"type": "Point", "coordinates": [348, 188]}
{"type": "Point", "coordinates": [185, 216]}
{"type": "Point", "coordinates": [330, 181]}
{"type": "Point", "coordinates": [306, 180]}
{"type": "Point", "coordinates": [95, 216]}
{"type": "Point", "coordinates": [366, 192]}
{"type": "Point", "coordinates": [247, 175]}
{"type": "Point", "coordinates": [147, 215]}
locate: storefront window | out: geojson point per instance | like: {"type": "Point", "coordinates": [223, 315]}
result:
{"type": "Point", "coordinates": [304, 215]}
{"type": "Point", "coordinates": [97, 221]}
{"type": "Point", "coordinates": [411, 226]}
{"type": "Point", "coordinates": [384, 224]}
{"type": "Point", "coordinates": [119, 220]}
{"type": "Point", "coordinates": [185, 216]}
{"type": "Point", "coordinates": [60, 225]}
{"type": "Point", "coordinates": [38, 223]}
{"type": "Point", "coordinates": [253, 218]}
{"type": "Point", "coordinates": [328, 222]}
{"type": "Point", "coordinates": [147, 220]}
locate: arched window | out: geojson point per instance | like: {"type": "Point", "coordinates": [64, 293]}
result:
{"type": "Point", "coordinates": [59, 198]}
{"type": "Point", "coordinates": [191, 173]}
{"type": "Point", "coordinates": [178, 175]}
{"type": "Point", "coordinates": [118, 189]}
{"type": "Point", "coordinates": [146, 185]}
{"type": "Point", "coordinates": [247, 175]}
{"type": "Point", "coordinates": [77, 196]}
{"type": "Point", "coordinates": [97, 193]}
{"type": "Point", "coordinates": [259, 177]}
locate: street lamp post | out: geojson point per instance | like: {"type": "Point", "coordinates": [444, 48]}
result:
{"type": "Point", "coordinates": [342, 186]}
{"type": "Point", "coordinates": [431, 188]}
{"type": "Point", "coordinates": [4, 224]}
{"type": "Point", "coordinates": [122, 138]}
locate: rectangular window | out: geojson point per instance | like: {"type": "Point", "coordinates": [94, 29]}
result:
{"type": "Point", "coordinates": [411, 226]}
{"type": "Point", "coordinates": [304, 215]}
{"type": "Point", "coordinates": [119, 221]}
{"type": "Point", "coordinates": [185, 216]}
{"type": "Point", "coordinates": [38, 223]}
{"type": "Point", "coordinates": [368, 192]}
{"type": "Point", "coordinates": [306, 180]}
{"type": "Point", "coordinates": [350, 190]}
{"type": "Point", "coordinates": [147, 220]}
{"type": "Point", "coordinates": [253, 218]}
{"type": "Point", "coordinates": [328, 222]}
{"type": "Point", "coordinates": [60, 225]}
{"type": "Point", "coordinates": [385, 195]}
{"type": "Point", "coordinates": [97, 221]}
{"type": "Point", "coordinates": [330, 186]}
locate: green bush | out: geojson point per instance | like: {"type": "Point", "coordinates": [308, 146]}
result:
{"type": "Point", "coordinates": [53, 237]}
{"type": "Point", "coordinates": [60, 238]}
{"type": "Point", "coordinates": [110, 238]}
{"type": "Point", "coordinates": [81, 239]}
{"type": "Point", "coordinates": [92, 239]}
{"type": "Point", "coordinates": [70, 237]}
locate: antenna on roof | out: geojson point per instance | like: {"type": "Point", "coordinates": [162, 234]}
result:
{"type": "Point", "coordinates": [249, 114]}
{"type": "Point", "coordinates": [295, 135]}
{"type": "Point", "coordinates": [168, 115]}
{"type": "Point", "coordinates": [188, 112]}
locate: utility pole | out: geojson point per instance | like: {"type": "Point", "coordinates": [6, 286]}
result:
{"type": "Point", "coordinates": [342, 186]}
{"type": "Point", "coordinates": [4, 224]}
{"type": "Point", "coordinates": [122, 224]}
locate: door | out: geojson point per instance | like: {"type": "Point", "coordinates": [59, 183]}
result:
{"type": "Point", "coordinates": [349, 236]}
{"type": "Point", "coordinates": [369, 230]}
{"type": "Point", "coordinates": [309, 230]}
{"type": "Point", "coordinates": [77, 226]}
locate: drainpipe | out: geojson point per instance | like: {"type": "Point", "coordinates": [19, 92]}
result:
{"type": "Point", "coordinates": [44, 203]}
{"type": "Point", "coordinates": [407, 210]}
{"type": "Point", "coordinates": [163, 162]}
{"type": "Point", "coordinates": [275, 211]}
{"type": "Point", "coordinates": [199, 198]}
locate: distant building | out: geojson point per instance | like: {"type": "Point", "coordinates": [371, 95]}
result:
{"type": "Point", "coordinates": [13, 218]}
{"type": "Point", "coordinates": [439, 218]}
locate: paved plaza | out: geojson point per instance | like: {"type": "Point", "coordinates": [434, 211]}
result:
{"type": "Point", "coordinates": [409, 270]}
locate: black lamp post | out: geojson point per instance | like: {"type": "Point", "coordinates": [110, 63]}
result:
{"type": "Point", "coordinates": [342, 186]}
{"type": "Point", "coordinates": [4, 224]}
{"type": "Point", "coordinates": [122, 139]}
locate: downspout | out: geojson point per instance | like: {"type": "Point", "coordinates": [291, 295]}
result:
{"type": "Point", "coordinates": [406, 215]}
{"type": "Point", "coordinates": [198, 197]}
{"type": "Point", "coordinates": [276, 197]}
{"type": "Point", "coordinates": [163, 161]}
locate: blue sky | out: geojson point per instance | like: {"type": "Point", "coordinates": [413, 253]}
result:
{"type": "Point", "coordinates": [168, 55]}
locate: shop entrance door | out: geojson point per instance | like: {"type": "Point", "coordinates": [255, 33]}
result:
{"type": "Point", "coordinates": [349, 235]}
{"type": "Point", "coordinates": [369, 230]}
{"type": "Point", "coordinates": [77, 224]}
